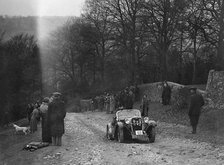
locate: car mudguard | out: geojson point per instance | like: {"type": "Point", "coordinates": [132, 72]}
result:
{"type": "Point", "coordinates": [152, 123]}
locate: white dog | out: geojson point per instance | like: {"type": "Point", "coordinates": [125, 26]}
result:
{"type": "Point", "coordinates": [24, 129]}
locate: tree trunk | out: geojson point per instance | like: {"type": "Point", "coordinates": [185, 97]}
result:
{"type": "Point", "coordinates": [195, 59]}
{"type": "Point", "coordinates": [81, 73]}
{"type": "Point", "coordinates": [102, 70]}
{"type": "Point", "coordinates": [194, 72]}
{"type": "Point", "coordinates": [133, 63]}
{"type": "Point", "coordinates": [180, 70]}
{"type": "Point", "coordinates": [94, 68]}
{"type": "Point", "coordinates": [164, 63]}
{"type": "Point", "coordinates": [103, 61]}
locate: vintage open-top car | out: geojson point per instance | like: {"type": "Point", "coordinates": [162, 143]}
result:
{"type": "Point", "coordinates": [128, 124]}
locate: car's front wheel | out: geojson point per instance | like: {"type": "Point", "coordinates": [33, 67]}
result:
{"type": "Point", "coordinates": [152, 135]}
{"type": "Point", "coordinates": [120, 135]}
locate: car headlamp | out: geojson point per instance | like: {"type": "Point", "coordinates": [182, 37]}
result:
{"type": "Point", "coordinates": [127, 121]}
{"type": "Point", "coordinates": [146, 119]}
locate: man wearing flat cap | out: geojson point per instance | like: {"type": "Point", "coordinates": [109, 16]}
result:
{"type": "Point", "coordinates": [45, 124]}
{"type": "Point", "coordinates": [196, 102]}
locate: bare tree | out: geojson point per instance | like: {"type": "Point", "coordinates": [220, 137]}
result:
{"type": "Point", "coordinates": [97, 14]}
{"type": "Point", "coordinates": [162, 18]}
{"type": "Point", "coordinates": [128, 31]}
{"type": "Point", "coordinates": [195, 29]}
{"type": "Point", "coordinates": [214, 10]}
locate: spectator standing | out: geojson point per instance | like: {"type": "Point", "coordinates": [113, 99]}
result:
{"type": "Point", "coordinates": [101, 102]}
{"type": "Point", "coordinates": [196, 102]}
{"type": "Point", "coordinates": [56, 115]}
{"type": "Point", "coordinates": [95, 106]}
{"type": "Point", "coordinates": [166, 94]}
{"type": "Point", "coordinates": [34, 119]}
{"type": "Point", "coordinates": [145, 106]}
{"type": "Point", "coordinates": [136, 92]}
{"type": "Point", "coordinates": [125, 99]}
{"type": "Point", "coordinates": [107, 103]}
{"type": "Point", "coordinates": [29, 110]}
{"type": "Point", "coordinates": [122, 98]}
{"type": "Point", "coordinates": [129, 99]}
{"type": "Point", "coordinates": [112, 103]}
{"type": "Point", "coordinates": [46, 132]}
{"type": "Point", "coordinates": [117, 101]}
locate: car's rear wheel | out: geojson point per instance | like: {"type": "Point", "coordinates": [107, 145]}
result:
{"type": "Point", "coordinates": [108, 135]}
{"type": "Point", "coordinates": [152, 135]}
{"type": "Point", "coordinates": [120, 135]}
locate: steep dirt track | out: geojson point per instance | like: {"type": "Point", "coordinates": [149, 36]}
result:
{"type": "Point", "coordinates": [84, 143]}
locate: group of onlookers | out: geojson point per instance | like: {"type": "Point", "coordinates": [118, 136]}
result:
{"type": "Point", "coordinates": [125, 99]}
{"type": "Point", "coordinates": [166, 96]}
{"type": "Point", "coordinates": [52, 113]}
{"type": "Point", "coordinates": [111, 102]}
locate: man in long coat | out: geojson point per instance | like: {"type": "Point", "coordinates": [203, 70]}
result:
{"type": "Point", "coordinates": [112, 103]}
{"type": "Point", "coordinates": [29, 109]}
{"type": "Point", "coordinates": [101, 103]}
{"type": "Point", "coordinates": [56, 115]}
{"type": "Point", "coordinates": [196, 102]}
{"type": "Point", "coordinates": [145, 106]}
{"type": "Point", "coordinates": [46, 131]}
{"type": "Point", "coordinates": [121, 98]}
{"type": "Point", "coordinates": [107, 103]}
{"type": "Point", "coordinates": [166, 94]}
{"type": "Point", "coordinates": [34, 119]}
{"type": "Point", "coordinates": [129, 99]}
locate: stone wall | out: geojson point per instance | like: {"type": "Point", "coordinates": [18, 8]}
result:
{"type": "Point", "coordinates": [215, 89]}
{"type": "Point", "coordinates": [213, 95]}
{"type": "Point", "coordinates": [179, 97]}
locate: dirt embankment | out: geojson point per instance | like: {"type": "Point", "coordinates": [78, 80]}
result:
{"type": "Point", "coordinates": [210, 127]}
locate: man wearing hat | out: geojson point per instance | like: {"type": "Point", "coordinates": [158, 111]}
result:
{"type": "Point", "coordinates": [196, 102]}
{"type": "Point", "coordinates": [46, 132]}
{"type": "Point", "coordinates": [56, 115]}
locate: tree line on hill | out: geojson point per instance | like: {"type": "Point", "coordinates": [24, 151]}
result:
{"type": "Point", "coordinates": [116, 43]}
{"type": "Point", "coordinates": [20, 74]}
{"type": "Point", "coordinates": [20, 62]}
{"type": "Point", "coordinates": [33, 25]}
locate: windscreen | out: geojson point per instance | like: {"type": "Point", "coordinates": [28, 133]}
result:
{"type": "Point", "coordinates": [127, 113]}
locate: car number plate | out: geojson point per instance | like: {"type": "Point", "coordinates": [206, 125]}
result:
{"type": "Point", "coordinates": [139, 132]}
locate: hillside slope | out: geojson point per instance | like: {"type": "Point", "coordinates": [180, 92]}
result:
{"type": "Point", "coordinates": [40, 27]}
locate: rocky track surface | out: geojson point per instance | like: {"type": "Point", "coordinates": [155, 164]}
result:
{"type": "Point", "coordinates": [84, 143]}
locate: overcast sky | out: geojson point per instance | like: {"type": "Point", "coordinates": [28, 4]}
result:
{"type": "Point", "coordinates": [41, 7]}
